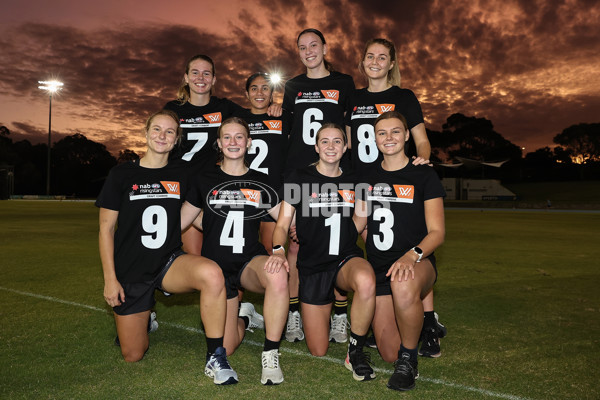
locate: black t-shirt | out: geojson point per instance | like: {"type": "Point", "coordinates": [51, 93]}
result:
{"type": "Point", "coordinates": [149, 223]}
{"type": "Point", "coordinates": [313, 102]}
{"type": "Point", "coordinates": [324, 208]}
{"type": "Point", "coordinates": [363, 109]}
{"type": "Point", "coordinates": [200, 125]}
{"type": "Point", "coordinates": [269, 144]}
{"type": "Point", "coordinates": [233, 207]}
{"type": "Point", "coordinates": [396, 204]}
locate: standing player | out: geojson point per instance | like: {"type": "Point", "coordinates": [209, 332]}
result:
{"type": "Point", "coordinates": [321, 196]}
{"type": "Point", "coordinates": [380, 66]}
{"type": "Point", "coordinates": [318, 96]}
{"type": "Point", "coordinates": [140, 249]}
{"type": "Point", "coordinates": [233, 198]}
{"type": "Point", "coordinates": [269, 136]}
{"type": "Point", "coordinates": [404, 212]}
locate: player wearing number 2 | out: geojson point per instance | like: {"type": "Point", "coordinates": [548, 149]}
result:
{"type": "Point", "coordinates": [404, 211]}
{"type": "Point", "coordinates": [316, 97]}
{"type": "Point", "coordinates": [321, 196]}
{"type": "Point", "coordinates": [140, 248]}
{"type": "Point", "coordinates": [233, 198]}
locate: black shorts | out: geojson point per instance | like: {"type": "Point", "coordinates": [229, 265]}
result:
{"type": "Point", "coordinates": [139, 296]}
{"type": "Point", "coordinates": [233, 282]}
{"type": "Point", "coordinates": [382, 282]}
{"type": "Point", "coordinates": [267, 218]}
{"type": "Point", "coordinates": [317, 288]}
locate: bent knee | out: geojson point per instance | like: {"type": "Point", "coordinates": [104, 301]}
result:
{"type": "Point", "coordinates": [133, 355]}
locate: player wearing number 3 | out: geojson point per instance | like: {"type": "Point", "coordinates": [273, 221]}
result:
{"type": "Point", "coordinates": [404, 211]}
{"type": "Point", "coordinates": [234, 198]}
{"type": "Point", "coordinates": [140, 248]}
{"type": "Point", "coordinates": [321, 196]}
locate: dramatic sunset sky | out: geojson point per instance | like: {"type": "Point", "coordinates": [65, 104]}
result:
{"type": "Point", "coordinates": [531, 67]}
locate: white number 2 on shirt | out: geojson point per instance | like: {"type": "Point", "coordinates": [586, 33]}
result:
{"type": "Point", "coordinates": [233, 231]}
{"type": "Point", "coordinates": [261, 149]}
{"type": "Point", "coordinates": [154, 221]}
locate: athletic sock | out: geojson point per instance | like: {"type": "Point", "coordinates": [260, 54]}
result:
{"type": "Point", "coordinates": [246, 321]}
{"type": "Point", "coordinates": [411, 352]}
{"type": "Point", "coordinates": [294, 304]}
{"type": "Point", "coordinates": [356, 341]}
{"type": "Point", "coordinates": [340, 307]}
{"type": "Point", "coordinates": [429, 319]}
{"type": "Point", "coordinates": [271, 345]}
{"type": "Point", "coordinates": [212, 344]}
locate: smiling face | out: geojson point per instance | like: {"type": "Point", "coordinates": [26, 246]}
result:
{"type": "Point", "coordinates": [311, 50]}
{"type": "Point", "coordinates": [259, 93]}
{"type": "Point", "coordinates": [330, 145]}
{"type": "Point", "coordinates": [200, 77]}
{"type": "Point", "coordinates": [377, 61]}
{"type": "Point", "coordinates": [233, 141]}
{"type": "Point", "coordinates": [390, 136]}
{"type": "Point", "coordinates": [161, 134]}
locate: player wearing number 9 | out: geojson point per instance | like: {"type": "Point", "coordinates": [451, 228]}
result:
{"type": "Point", "coordinates": [140, 247]}
{"type": "Point", "coordinates": [233, 199]}
{"type": "Point", "coordinates": [403, 209]}
{"type": "Point", "coordinates": [321, 197]}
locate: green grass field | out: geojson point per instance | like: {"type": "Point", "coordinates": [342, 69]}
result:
{"type": "Point", "coordinates": [518, 292]}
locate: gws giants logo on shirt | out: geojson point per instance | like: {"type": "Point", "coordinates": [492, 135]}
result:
{"type": "Point", "coordinates": [331, 94]}
{"type": "Point", "coordinates": [381, 108]}
{"type": "Point", "coordinates": [347, 195]}
{"type": "Point", "coordinates": [405, 193]}
{"type": "Point", "coordinates": [171, 187]}
{"type": "Point", "coordinates": [213, 118]}
{"type": "Point", "coordinates": [273, 125]}
{"type": "Point", "coordinates": [252, 195]}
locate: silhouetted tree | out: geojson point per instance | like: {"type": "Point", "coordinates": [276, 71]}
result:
{"type": "Point", "coordinates": [79, 166]}
{"type": "Point", "coordinates": [127, 155]}
{"type": "Point", "coordinates": [582, 142]}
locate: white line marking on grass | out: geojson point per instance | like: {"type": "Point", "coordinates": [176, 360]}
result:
{"type": "Point", "coordinates": [283, 350]}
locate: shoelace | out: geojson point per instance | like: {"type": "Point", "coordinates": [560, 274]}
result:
{"type": "Point", "coordinates": [293, 322]}
{"type": "Point", "coordinates": [221, 363]}
{"type": "Point", "coordinates": [271, 360]}
{"type": "Point", "coordinates": [403, 366]}
{"type": "Point", "coordinates": [363, 361]}
{"type": "Point", "coordinates": [339, 324]}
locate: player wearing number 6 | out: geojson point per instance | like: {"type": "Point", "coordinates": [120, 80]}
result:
{"type": "Point", "coordinates": [402, 206]}
{"type": "Point", "coordinates": [321, 196]}
{"type": "Point", "coordinates": [234, 198]}
{"type": "Point", "coordinates": [140, 248]}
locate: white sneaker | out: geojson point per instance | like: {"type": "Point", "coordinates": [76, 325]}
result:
{"type": "Point", "coordinates": [256, 320]}
{"type": "Point", "coordinates": [293, 331]}
{"type": "Point", "coordinates": [218, 368]}
{"type": "Point", "coordinates": [153, 323]}
{"type": "Point", "coordinates": [271, 371]}
{"type": "Point", "coordinates": [339, 325]}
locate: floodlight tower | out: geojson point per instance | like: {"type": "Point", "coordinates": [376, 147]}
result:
{"type": "Point", "coordinates": [51, 87]}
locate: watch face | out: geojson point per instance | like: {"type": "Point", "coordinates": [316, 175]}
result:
{"type": "Point", "coordinates": [418, 250]}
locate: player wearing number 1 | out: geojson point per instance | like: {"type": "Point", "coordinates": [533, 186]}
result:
{"type": "Point", "coordinates": [404, 211]}
{"type": "Point", "coordinates": [233, 198]}
{"type": "Point", "coordinates": [316, 97]}
{"type": "Point", "coordinates": [321, 196]}
{"type": "Point", "coordinates": [140, 248]}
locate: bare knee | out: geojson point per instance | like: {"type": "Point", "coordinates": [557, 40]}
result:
{"type": "Point", "coordinates": [318, 351]}
{"type": "Point", "coordinates": [404, 295]}
{"type": "Point", "coordinates": [209, 277]}
{"type": "Point", "coordinates": [133, 355]}
{"type": "Point", "coordinates": [365, 286]}
{"type": "Point", "coordinates": [278, 282]}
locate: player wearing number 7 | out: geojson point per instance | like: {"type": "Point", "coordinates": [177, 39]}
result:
{"type": "Point", "coordinates": [233, 199]}
{"type": "Point", "coordinates": [321, 196]}
{"type": "Point", "coordinates": [140, 248]}
{"type": "Point", "coordinates": [402, 205]}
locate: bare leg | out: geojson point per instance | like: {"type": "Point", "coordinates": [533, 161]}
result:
{"type": "Point", "coordinates": [133, 335]}
{"type": "Point", "coordinates": [357, 275]}
{"type": "Point", "coordinates": [192, 241]}
{"type": "Point", "coordinates": [316, 327]}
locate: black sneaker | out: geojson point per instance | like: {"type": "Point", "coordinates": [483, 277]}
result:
{"type": "Point", "coordinates": [430, 344]}
{"type": "Point", "coordinates": [152, 326]}
{"type": "Point", "coordinates": [371, 342]}
{"type": "Point", "coordinates": [405, 373]}
{"type": "Point", "coordinates": [359, 362]}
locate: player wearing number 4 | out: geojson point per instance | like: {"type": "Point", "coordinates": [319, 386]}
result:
{"type": "Point", "coordinates": [404, 211]}
{"type": "Point", "coordinates": [233, 199]}
{"type": "Point", "coordinates": [321, 197]}
{"type": "Point", "coordinates": [379, 65]}
{"type": "Point", "coordinates": [316, 97]}
{"type": "Point", "coordinates": [140, 249]}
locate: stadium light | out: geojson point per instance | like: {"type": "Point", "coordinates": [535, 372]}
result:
{"type": "Point", "coordinates": [51, 87]}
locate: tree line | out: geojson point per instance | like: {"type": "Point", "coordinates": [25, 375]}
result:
{"type": "Point", "coordinates": [79, 165]}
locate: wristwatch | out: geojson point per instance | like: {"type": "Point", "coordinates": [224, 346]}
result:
{"type": "Point", "coordinates": [278, 247]}
{"type": "Point", "coordinates": [418, 252]}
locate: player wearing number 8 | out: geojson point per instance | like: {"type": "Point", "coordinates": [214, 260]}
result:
{"type": "Point", "coordinates": [233, 199]}
{"type": "Point", "coordinates": [405, 226]}
{"type": "Point", "coordinates": [140, 248]}
{"type": "Point", "coordinates": [321, 196]}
